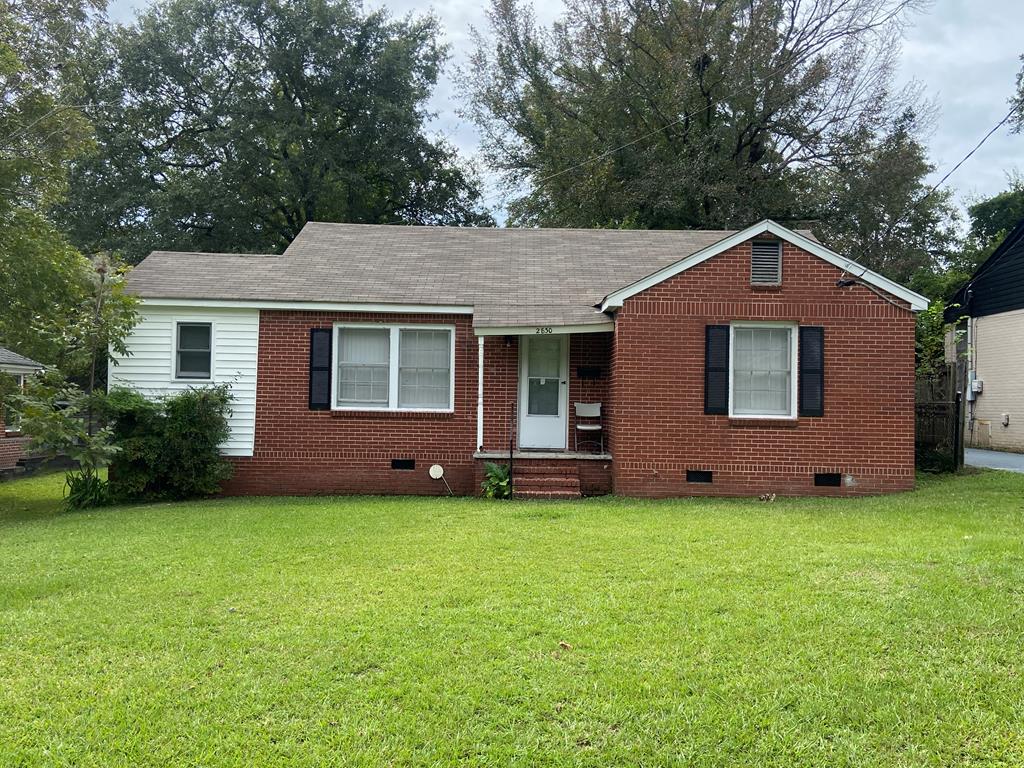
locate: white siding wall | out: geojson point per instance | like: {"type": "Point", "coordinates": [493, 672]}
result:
{"type": "Point", "coordinates": [998, 360]}
{"type": "Point", "coordinates": [150, 367]}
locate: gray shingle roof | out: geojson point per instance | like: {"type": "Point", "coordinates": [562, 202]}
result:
{"type": "Point", "coordinates": [9, 358]}
{"type": "Point", "coordinates": [509, 276]}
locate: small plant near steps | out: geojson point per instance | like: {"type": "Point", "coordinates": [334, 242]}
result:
{"type": "Point", "coordinates": [559, 480]}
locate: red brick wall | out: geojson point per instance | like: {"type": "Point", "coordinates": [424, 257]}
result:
{"type": "Point", "coordinates": [501, 381]}
{"type": "Point", "coordinates": [11, 449]}
{"type": "Point", "coordinates": [302, 451]}
{"type": "Point", "coordinates": [660, 429]}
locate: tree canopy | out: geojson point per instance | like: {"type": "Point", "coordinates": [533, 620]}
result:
{"type": "Point", "coordinates": [46, 285]}
{"type": "Point", "coordinates": [698, 114]}
{"type": "Point", "coordinates": [226, 126]}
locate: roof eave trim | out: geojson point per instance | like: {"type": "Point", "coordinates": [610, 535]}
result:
{"type": "Point", "coordinates": [19, 368]}
{"type": "Point", "coordinates": [321, 306]}
{"type": "Point", "coordinates": [916, 301]}
{"type": "Point", "coordinates": [543, 329]}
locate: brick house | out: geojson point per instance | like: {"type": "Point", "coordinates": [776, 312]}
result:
{"type": "Point", "coordinates": [724, 362]}
{"type": "Point", "coordinates": [12, 441]}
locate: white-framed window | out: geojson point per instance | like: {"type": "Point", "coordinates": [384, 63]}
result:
{"type": "Point", "coordinates": [12, 421]}
{"type": "Point", "coordinates": [762, 370]}
{"type": "Point", "coordinates": [394, 367]}
{"type": "Point", "coordinates": [193, 350]}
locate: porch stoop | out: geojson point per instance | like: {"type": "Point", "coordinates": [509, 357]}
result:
{"type": "Point", "coordinates": [558, 480]}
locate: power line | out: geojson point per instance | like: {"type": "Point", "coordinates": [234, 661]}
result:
{"type": "Point", "coordinates": [967, 157]}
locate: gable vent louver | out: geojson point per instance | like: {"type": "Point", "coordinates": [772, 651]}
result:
{"type": "Point", "coordinates": [766, 262]}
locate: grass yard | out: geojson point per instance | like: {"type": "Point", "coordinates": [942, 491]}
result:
{"type": "Point", "coordinates": [377, 631]}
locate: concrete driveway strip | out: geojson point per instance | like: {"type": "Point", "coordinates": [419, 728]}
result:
{"type": "Point", "coordinates": [1013, 462]}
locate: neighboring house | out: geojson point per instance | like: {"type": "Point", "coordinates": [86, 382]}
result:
{"type": "Point", "coordinates": [725, 362]}
{"type": "Point", "coordinates": [12, 441]}
{"type": "Point", "coordinates": [989, 316]}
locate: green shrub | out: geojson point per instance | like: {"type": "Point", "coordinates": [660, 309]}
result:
{"type": "Point", "coordinates": [169, 447]}
{"type": "Point", "coordinates": [58, 416]}
{"type": "Point", "coordinates": [496, 484]}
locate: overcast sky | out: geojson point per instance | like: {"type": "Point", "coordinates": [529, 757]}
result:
{"type": "Point", "coordinates": [964, 52]}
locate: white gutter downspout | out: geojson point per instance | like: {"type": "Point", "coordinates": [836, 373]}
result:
{"type": "Point", "coordinates": [480, 393]}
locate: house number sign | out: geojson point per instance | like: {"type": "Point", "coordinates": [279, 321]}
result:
{"type": "Point", "coordinates": [543, 329]}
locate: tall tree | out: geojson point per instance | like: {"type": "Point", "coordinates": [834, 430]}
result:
{"type": "Point", "coordinates": [876, 206]}
{"type": "Point", "coordinates": [43, 126]}
{"type": "Point", "coordinates": [229, 125]}
{"type": "Point", "coordinates": [995, 216]}
{"type": "Point", "coordinates": [680, 113]}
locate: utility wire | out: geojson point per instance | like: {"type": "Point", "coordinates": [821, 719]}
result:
{"type": "Point", "coordinates": [964, 159]}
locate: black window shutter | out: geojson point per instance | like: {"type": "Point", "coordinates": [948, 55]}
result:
{"type": "Point", "coordinates": [319, 369]}
{"type": "Point", "coordinates": [812, 371]}
{"type": "Point", "coordinates": [716, 369]}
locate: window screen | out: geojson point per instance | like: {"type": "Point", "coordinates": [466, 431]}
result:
{"type": "Point", "coordinates": [193, 351]}
{"type": "Point", "coordinates": [424, 368]}
{"type": "Point", "coordinates": [363, 358]}
{"type": "Point", "coordinates": [762, 371]}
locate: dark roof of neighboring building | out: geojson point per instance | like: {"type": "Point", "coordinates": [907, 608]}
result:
{"type": "Point", "coordinates": [14, 360]}
{"type": "Point", "coordinates": [559, 273]}
{"type": "Point", "coordinates": [997, 285]}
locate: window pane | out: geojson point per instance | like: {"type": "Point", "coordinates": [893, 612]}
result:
{"type": "Point", "coordinates": [545, 358]}
{"type": "Point", "coordinates": [424, 368]}
{"type": "Point", "coordinates": [762, 376]}
{"type": "Point", "coordinates": [193, 336]}
{"type": "Point", "coordinates": [543, 397]}
{"type": "Point", "coordinates": [364, 345]}
{"type": "Point", "coordinates": [364, 359]}
{"type": "Point", "coordinates": [194, 365]}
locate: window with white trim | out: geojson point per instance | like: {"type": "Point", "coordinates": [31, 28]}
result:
{"type": "Point", "coordinates": [396, 368]}
{"type": "Point", "coordinates": [424, 368]}
{"type": "Point", "coordinates": [193, 350]}
{"type": "Point", "coordinates": [762, 375]}
{"type": "Point", "coordinates": [364, 357]}
{"type": "Point", "coordinates": [12, 421]}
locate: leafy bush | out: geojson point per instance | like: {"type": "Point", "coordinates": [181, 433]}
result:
{"type": "Point", "coordinates": [496, 484]}
{"type": "Point", "coordinates": [58, 416]}
{"type": "Point", "coordinates": [169, 447]}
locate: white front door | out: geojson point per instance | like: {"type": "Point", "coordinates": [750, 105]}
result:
{"type": "Point", "coordinates": [543, 391]}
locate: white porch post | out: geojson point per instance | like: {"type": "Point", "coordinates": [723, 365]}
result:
{"type": "Point", "coordinates": [480, 393]}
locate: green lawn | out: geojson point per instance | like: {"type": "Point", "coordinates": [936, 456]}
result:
{"type": "Point", "coordinates": [372, 631]}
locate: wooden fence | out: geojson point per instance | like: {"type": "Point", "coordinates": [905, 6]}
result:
{"type": "Point", "coordinates": [938, 432]}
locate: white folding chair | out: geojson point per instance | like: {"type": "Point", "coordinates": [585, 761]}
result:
{"type": "Point", "coordinates": [588, 411]}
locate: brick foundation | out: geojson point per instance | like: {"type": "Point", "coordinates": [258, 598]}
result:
{"type": "Point", "coordinates": [12, 449]}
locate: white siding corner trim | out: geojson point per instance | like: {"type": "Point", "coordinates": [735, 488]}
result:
{"type": "Point", "coordinates": [149, 369]}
